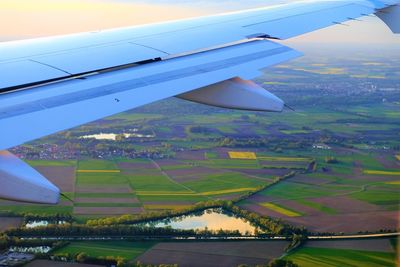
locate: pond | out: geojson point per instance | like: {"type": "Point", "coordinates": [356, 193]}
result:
{"type": "Point", "coordinates": [113, 136]}
{"type": "Point", "coordinates": [211, 219]}
{"type": "Point", "coordinates": [33, 224]}
{"type": "Point", "coordinates": [39, 249]}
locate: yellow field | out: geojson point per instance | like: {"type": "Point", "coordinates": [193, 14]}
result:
{"type": "Point", "coordinates": [323, 70]}
{"type": "Point", "coordinates": [242, 155]}
{"type": "Point", "coordinates": [208, 193]}
{"type": "Point", "coordinates": [284, 159]}
{"type": "Point", "coordinates": [381, 172]}
{"type": "Point", "coordinates": [393, 182]}
{"type": "Point", "coordinates": [98, 171]}
{"type": "Point", "coordinates": [280, 209]}
{"type": "Point", "coordinates": [398, 157]}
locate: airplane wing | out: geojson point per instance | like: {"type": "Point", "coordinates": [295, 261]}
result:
{"type": "Point", "coordinates": [52, 84]}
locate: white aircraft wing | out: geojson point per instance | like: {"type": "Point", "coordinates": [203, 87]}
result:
{"type": "Point", "coordinates": [53, 84]}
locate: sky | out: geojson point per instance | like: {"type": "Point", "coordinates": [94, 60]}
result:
{"type": "Point", "coordinates": [22, 19]}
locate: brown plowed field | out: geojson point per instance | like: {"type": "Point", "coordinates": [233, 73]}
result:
{"type": "Point", "coordinates": [262, 210]}
{"type": "Point", "coordinates": [102, 189]}
{"type": "Point", "coordinates": [348, 223]}
{"type": "Point", "coordinates": [218, 254]}
{"type": "Point", "coordinates": [9, 222]}
{"type": "Point", "coordinates": [344, 204]}
{"type": "Point", "coordinates": [63, 177]}
{"type": "Point", "coordinates": [136, 165]}
{"type": "Point", "coordinates": [293, 205]}
{"type": "Point", "coordinates": [107, 210]}
{"type": "Point", "coordinates": [191, 155]}
{"type": "Point", "coordinates": [105, 200]}
{"type": "Point", "coordinates": [169, 162]}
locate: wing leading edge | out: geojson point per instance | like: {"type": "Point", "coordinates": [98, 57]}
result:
{"type": "Point", "coordinates": [53, 84]}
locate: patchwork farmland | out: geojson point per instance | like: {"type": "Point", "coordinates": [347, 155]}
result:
{"type": "Point", "coordinates": [339, 197]}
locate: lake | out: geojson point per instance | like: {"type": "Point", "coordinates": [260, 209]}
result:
{"type": "Point", "coordinates": [212, 219]}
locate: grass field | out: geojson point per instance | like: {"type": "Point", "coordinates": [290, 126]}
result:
{"type": "Point", "coordinates": [63, 163]}
{"type": "Point", "coordinates": [224, 181]}
{"type": "Point", "coordinates": [125, 249]}
{"type": "Point", "coordinates": [100, 179]}
{"type": "Point", "coordinates": [96, 165]}
{"type": "Point", "coordinates": [379, 197]}
{"type": "Point", "coordinates": [317, 206]}
{"type": "Point", "coordinates": [316, 257]}
{"type": "Point", "coordinates": [286, 190]}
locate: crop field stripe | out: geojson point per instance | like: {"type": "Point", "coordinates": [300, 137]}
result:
{"type": "Point", "coordinates": [315, 257]}
{"type": "Point", "coordinates": [393, 183]}
{"type": "Point", "coordinates": [285, 159]}
{"type": "Point", "coordinates": [227, 191]}
{"type": "Point", "coordinates": [281, 209]}
{"type": "Point", "coordinates": [372, 172]}
{"type": "Point", "coordinates": [98, 171]}
{"type": "Point", "coordinates": [163, 207]}
{"type": "Point", "coordinates": [242, 155]}
{"type": "Point", "coordinates": [217, 192]}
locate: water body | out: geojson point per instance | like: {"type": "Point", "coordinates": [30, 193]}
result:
{"type": "Point", "coordinates": [34, 224]}
{"type": "Point", "coordinates": [40, 249]}
{"type": "Point", "coordinates": [211, 219]}
{"type": "Point", "coordinates": [113, 136]}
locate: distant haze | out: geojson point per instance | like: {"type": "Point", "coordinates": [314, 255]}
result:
{"type": "Point", "coordinates": [32, 18]}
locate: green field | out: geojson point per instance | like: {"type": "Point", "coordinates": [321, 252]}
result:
{"type": "Point", "coordinates": [96, 165]}
{"type": "Point", "coordinates": [125, 249]}
{"type": "Point", "coordinates": [317, 206]}
{"type": "Point", "coordinates": [317, 257]}
{"type": "Point", "coordinates": [224, 181]}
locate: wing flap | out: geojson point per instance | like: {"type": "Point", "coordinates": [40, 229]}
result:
{"type": "Point", "coordinates": [25, 72]}
{"type": "Point", "coordinates": [97, 58]}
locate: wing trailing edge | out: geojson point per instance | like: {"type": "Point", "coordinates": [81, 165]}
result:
{"type": "Point", "coordinates": [21, 182]}
{"type": "Point", "coordinates": [391, 17]}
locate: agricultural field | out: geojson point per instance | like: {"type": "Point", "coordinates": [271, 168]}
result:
{"type": "Point", "coordinates": [104, 187]}
{"type": "Point", "coordinates": [373, 252]}
{"type": "Point", "coordinates": [367, 253]}
{"type": "Point", "coordinates": [129, 250]}
{"type": "Point", "coordinates": [336, 197]}
{"type": "Point", "coordinates": [331, 197]}
{"type": "Point", "coordinates": [210, 253]}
